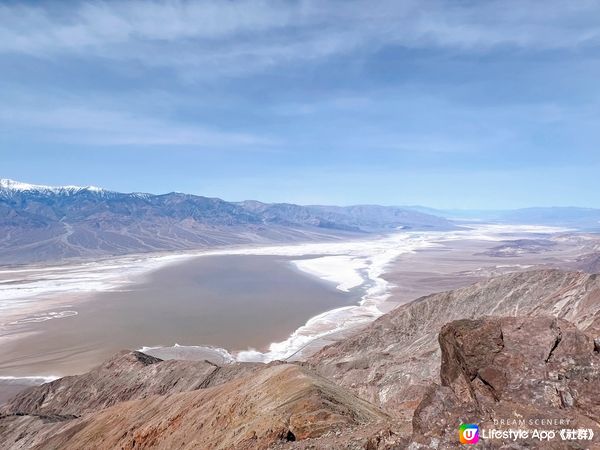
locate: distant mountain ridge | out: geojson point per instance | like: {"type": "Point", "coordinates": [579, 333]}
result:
{"type": "Point", "coordinates": [42, 223]}
{"type": "Point", "coordinates": [584, 219]}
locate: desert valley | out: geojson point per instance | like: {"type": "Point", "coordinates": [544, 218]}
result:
{"type": "Point", "coordinates": [329, 340]}
{"type": "Point", "coordinates": [300, 224]}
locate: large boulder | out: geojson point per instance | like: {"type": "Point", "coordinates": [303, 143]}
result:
{"type": "Point", "coordinates": [498, 371]}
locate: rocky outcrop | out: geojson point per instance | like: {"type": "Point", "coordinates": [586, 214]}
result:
{"type": "Point", "coordinates": [126, 376]}
{"type": "Point", "coordinates": [391, 362]}
{"type": "Point", "coordinates": [509, 368]}
{"type": "Point", "coordinates": [589, 263]}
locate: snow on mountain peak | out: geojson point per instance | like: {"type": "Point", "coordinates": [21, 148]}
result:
{"type": "Point", "coordinates": [12, 185]}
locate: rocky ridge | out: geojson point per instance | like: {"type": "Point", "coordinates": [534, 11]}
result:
{"type": "Point", "coordinates": [393, 360]}
{"type": "Point", "coordinates": [126, 376]}
{"type": "Point", "coordinates": [278, 403]}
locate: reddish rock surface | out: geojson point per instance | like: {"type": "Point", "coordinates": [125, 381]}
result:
{"type": "Point", "coordinates": [511, 368]}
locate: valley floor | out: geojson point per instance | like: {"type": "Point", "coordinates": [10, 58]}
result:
{"type": "Point", "coordinates": [253, 304]}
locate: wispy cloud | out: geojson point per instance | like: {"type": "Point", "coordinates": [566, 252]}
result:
{"type": "Point", "coordinates": [216, 38]}
{"type": "Point", "coordinates": [97, 127]}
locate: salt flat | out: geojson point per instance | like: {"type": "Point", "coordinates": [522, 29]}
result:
{"type": "Point", "coordinates": [37, 300]}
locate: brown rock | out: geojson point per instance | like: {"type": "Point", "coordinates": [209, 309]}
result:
{"type": "Point", "coordinates": [514, 367]}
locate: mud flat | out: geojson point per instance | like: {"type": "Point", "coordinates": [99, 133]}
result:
{"type": "Point", "coordinates": [235, 302]}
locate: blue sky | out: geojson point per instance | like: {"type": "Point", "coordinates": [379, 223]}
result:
{"type": "Point", "coordinates": [451, 104]}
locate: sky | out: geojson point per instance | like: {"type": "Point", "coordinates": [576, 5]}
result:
{"type": "Point", "coordinates": [448, 104]}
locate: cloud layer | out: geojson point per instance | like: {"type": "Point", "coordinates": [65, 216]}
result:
{"type": "Point", "coordinates": [278, 95]}
{"type": "Point", "coordinates": [216, 38]}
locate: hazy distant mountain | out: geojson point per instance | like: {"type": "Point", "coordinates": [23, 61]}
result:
{"type": "Point", "coordinates": [39, 223]}
{"type": "Point", "coordinates": [358, 217]}
{"type": "Point", "coordinates": [586, 219]}
{"type": "Point", "coordinates": [581, 218]}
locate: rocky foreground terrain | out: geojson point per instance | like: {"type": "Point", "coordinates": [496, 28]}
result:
{"type": "Point", "coordinates": [524, 345]}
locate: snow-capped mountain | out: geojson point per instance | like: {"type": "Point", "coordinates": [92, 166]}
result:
{"type": "Point", "coordinates": [51, 222]}
{"type": "Point", "coordinates": [7, 185]}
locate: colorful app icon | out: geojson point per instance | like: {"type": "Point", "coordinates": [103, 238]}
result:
{"type": "Point", "coordinates": [468, 433]}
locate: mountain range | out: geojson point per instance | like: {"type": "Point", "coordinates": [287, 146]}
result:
{"type": "Point", "coordinates": [43, 223]}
